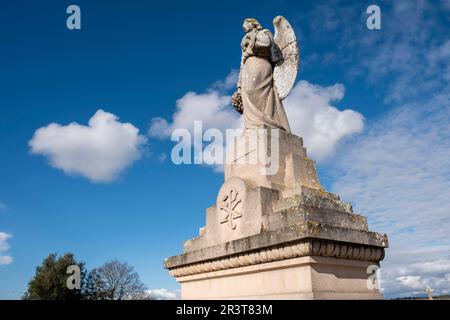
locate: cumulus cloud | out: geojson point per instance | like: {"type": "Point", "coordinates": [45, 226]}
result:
{"type": "Point", "coordinates": [163, 294]}
{"type": "Point", "coordinates": [312, 116]}
{"type": "Point", "coordinates": [411, 279]}
{"type": "Point", "coordinates": [398, 174]}
{"type": "Point", "coordinates": [310, 110]}
{"type": "Point", "coordinates": [99, 151]}
{"type": "Point", "coordinates": [4, 247]}
{"type": "Point", "coordinates": [212, 108]}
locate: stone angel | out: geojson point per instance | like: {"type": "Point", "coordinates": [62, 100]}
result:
{"type": "Point", "coordinates": [268, 70]}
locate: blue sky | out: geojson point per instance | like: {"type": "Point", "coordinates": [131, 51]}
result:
{"type": "Point", "coordinates": [388, 153]}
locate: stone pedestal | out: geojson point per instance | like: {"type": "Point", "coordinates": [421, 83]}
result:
{"type": "Point", "coordinates": [306, 277]}
{"type": "Point", "coordinates": [277, 234]}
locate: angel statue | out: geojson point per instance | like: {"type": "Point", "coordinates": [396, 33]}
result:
{"type": "Point", "coordinates": [268, 70]}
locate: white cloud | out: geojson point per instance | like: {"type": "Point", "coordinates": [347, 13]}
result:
{"type": "Point", "coordinates": [3, 207]}
{"type": "Point", "coordinates": [398, 174]}
{"type": "Point", "coordinates": [404, 279]}
{"type": "Point", "coordinates": [438, 59]}
{"type": "Point", "coordinates": [228, 83]}
{"type": "Point", "coordinates": [163, 294]}
{"type": "Point", "coordinates": [212, 108]}
{"type": "Point", "coordinates": [412, 282]}
{"type": "Point", "coordinates": [4, 260]}
{"type": "Point", "coordinates": [446, 4]}
{"type": "Point", "coordinates": [312, 116]}
{"type": "Point", "coordinates": [309, 107]}
{"type": "Point", "coordinates": [395, 58]}
{"type": "Point", "coordinates": [99, 151]}
{"type": "Point", "coordinates": [4, 247]}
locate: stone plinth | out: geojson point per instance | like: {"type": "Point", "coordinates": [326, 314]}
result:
{"type": "Point", "coordinates": [306, 277]}
{"type": "Point", "coordinates": [279, 149]}
{"type": "Point", "coordinates": [279, 235]}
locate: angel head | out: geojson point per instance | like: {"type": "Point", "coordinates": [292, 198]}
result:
{"type": "Point", "coordinates": [250, 24]}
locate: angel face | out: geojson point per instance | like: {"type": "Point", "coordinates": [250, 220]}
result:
{"type": "Point", "coordinates": [247, 26]}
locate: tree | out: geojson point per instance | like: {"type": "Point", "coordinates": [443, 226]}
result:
{"type": "Point", "coordinates": [114, 281]}
{"type": "Point", "coordinates": [50, 279]}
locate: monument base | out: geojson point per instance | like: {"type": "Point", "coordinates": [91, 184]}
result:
{"type": "Point", "coordinates": [279, 236]}
{"type": "Point", "coordinates": [299, 278]}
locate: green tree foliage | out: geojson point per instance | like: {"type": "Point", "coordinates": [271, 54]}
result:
{"type": "Point", "coordinates": [50, 280]}
{"type": "Point", "coordinates": [112, 281]}
{"type": "Point", "coordinates": [93, 289]}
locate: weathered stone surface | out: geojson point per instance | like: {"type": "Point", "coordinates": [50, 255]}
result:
{"type": "Point", "coordinates": [247, 216]}
{"type": "Point", "coordinates": [315, 205]}
{"type": "Point", "coordinates": [261, 102]}
{"type": "Point", "coordinates": [274, 232]}
{"type": "Point", "coordinates": [285, 70]}
{"type": "Point", "coordinates": [260, 209]}
{"type": "Point", "coordinates": [258, 220]}
{"type": "Point", "coordinates": [296, 232]}
{"type": "Point", "coordinates": [306, 277]}
{"type": "Point", "coordinates": [284, 151]}
{"type": "Point", "coordinates": [303, 248]}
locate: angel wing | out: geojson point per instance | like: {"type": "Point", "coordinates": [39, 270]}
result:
{"type": "Point", "coordinates": [285, 55]}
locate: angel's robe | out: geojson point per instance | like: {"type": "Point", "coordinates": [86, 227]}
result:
{"type": "Point", "coordinates": [261, 103]}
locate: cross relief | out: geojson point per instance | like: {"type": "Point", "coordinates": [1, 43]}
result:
{"type": "Point", "coordinates": [229, 204]}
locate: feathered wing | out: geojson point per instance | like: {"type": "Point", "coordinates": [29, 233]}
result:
{"type": "Point", "coordinates": [285, 55]}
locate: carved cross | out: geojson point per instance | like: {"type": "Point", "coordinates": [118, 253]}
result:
{"type": "Point", "coordinates": [229, 203]}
